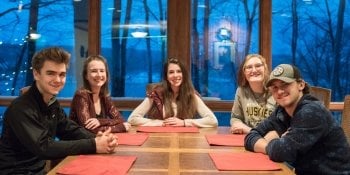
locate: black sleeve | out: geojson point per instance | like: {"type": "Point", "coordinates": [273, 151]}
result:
{"type": "Point", "coordinates": [256, 133]}
{"type": "Point", "coordinates": [34, 133]}
{"type": "Point", "coordinates": [308, 125]}
{"type": "Point", "coordinates": [68, 129]}
{"type": "Point", "coordinates": [276, 122]}
{"type": "Point", "coordinates": [251, 138]}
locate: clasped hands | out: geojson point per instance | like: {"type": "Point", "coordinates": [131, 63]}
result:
{"type": "Point", "coordinates": [106, 142]}
{"type": "Point", "coordinates": [173, 121]}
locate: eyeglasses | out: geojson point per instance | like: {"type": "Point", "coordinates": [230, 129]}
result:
{"type": "Point", "coordinates": [283, 86]}
{"type": "Point", "coordinates": [250, 67]}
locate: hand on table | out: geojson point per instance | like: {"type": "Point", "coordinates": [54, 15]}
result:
{"type": "Point", "coordinates": [173, 121]}
{"type": "Point", "coordinates": [106, 142]}
{"type": "Point", "coordinates": [92, 123]}
{"type": "Point", "coordinates": [239, 128]}
{"type": "Point", "coordinates": [127, 126]}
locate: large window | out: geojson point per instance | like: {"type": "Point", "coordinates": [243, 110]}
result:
{"type": "Point", "coordinates": [28, 26]}
{"type": "Point", "coordinates": [133, 39]}
{"type": "Point", "coordinates": [314, 35]}
{"type": "Point", "coordinates": [223, 32]}
{"type": "Point", "coordinates": [309, 33]}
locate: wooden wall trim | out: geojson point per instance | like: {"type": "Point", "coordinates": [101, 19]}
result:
{"type": "Point", "coordinates": [128, 104]}
{"type": "Point", "coordinates": [94, 30]}
{"type": "Point", "coordinates": [179, 30]}
{"type": "Point", "coordinates": [265, 16]}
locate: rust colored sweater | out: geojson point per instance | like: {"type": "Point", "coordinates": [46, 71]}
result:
{"type": "Point", "coordinates": [82, 108]}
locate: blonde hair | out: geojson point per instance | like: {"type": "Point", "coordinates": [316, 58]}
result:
{"type": "Point", "coordinates": [243, 82]}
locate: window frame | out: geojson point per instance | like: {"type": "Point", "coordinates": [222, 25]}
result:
{"type": "Point", "coordinates": [179, 39]}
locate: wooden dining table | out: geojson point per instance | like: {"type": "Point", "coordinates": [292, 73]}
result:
{"type": "Point", "coordinates": [179, 153]}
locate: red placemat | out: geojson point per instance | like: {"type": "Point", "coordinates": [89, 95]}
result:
{"type": "Point", "coordinates": [167, 129]}
{"type": "Point", "coordinates": [243, 161]}
{"type": "Point", "coordinates": [136, 139]}
{"type": "Point", "coordinates": [98, 164]}
{"type": "Point", "coordinates": [225, 139]}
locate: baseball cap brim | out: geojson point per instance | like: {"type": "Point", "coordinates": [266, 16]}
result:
{"type": "Point", "coordinates": [284, 79]}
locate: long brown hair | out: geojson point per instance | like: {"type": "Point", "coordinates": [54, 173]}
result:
{"type": "Point", "coordinates": [104, 89]}
{"type": "Point", "coordinates": [185, 101]}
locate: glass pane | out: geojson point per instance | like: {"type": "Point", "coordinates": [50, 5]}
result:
{"type": "Point", "coordinates": [2, 111]}
{"type": "Point", "coordinates": [313, 35]}
{"type": "Point", "coordinates": [223, 32]}
{"type": "Point", "coordinates": [133, 40]}
{"type": "Point", "coordinates": [223, 118]}
{"type": "Point", "coordinates": [28, 26]}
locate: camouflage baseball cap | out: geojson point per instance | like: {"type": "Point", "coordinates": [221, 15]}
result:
{"type": "Point", "coordinates": [284, 72]}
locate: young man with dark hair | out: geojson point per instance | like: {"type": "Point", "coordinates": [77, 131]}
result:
{"type": "Point", "coordinates": [301, 131]}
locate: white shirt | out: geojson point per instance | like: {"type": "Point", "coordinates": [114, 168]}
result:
{"type": "Point", "coordinates": [137, 117]}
